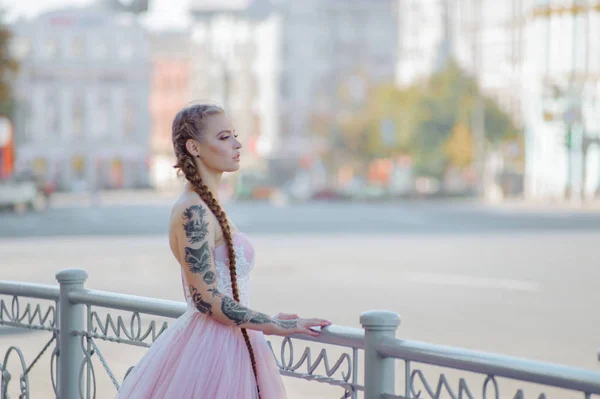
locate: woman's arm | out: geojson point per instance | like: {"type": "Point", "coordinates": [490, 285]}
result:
{"type": "Point", "coordinates": [194, 240]}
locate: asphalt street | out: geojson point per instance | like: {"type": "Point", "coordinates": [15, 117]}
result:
{"type": "Point", "coordinates": [516, 281]}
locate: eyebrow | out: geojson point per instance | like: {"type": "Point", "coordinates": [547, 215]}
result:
{"type": "Point", "coordinates": [226, 131]}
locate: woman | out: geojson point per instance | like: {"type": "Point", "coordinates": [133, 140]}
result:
{"type": "Point", "coordinates": [216, 349]}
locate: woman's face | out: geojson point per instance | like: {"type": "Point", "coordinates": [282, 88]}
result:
{"type": "Point", "coordinates": [219, 148]}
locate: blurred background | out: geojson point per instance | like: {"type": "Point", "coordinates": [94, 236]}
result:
{"type": "Point", "coordinates": [377, 99]}
{"type": "Point", "coordinates": [438, 158]}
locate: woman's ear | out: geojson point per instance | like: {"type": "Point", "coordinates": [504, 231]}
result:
{"type": "Point", "coordinates": [192, 147]}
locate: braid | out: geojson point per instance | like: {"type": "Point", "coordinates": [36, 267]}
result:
{"type": "Point", "coordinates": [187, 165]}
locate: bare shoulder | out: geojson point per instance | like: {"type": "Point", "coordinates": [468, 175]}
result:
{"type": "Point", "coordinates": [190, 219]}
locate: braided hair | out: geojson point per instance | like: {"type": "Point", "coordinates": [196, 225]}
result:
{"type": "Point", "coordinates": [189, 123]}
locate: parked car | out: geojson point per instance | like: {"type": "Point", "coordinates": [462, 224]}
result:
{"type": "Point", "coordinates": [24, 191]}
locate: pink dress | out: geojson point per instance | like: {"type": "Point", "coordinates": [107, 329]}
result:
{"type": "Point", "coordinates": [198, 357]}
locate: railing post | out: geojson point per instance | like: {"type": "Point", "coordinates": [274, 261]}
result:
{"type": "Point", "coordinates": [379, 371]}
{"type": "Point", "coordinates": [71, 319]}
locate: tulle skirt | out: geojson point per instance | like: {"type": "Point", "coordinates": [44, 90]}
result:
{"type": "Point", "coordinates": [198, 357]}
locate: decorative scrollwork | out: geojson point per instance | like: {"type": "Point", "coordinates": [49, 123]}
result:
{"type": "Point", "coordinates": [443, 387]}
{"type": "Point", "coordinates": [87, 373]}
{"type": "Point", "coordinates": [54, 370]}
{"type": "Point", "coordinates": [87, 380]}
{"type": "Point", "coordinates": [6, 376]}
{"type": "Point", "coordinates": [521, 395]}
{"type": "Point", "coordinates": [288, 367]}
{"type": "Point", "coordinates": [463, 388]}
{"type": "Point", "coordinates": [495, 385]}
{"type": "Point", "coordinates": [118, 332]}
{"type": "Point", "coordinates": [35, 319]}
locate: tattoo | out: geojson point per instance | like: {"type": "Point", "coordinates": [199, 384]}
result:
{"type": "Point", "coordinates": [215, 292]}
{"type": "Point", "coordinates": [287, 324]}
{"type": "Point", "coordinates": [209, 277]}
{"type": "Point", "coordinates": [260, 318]}
{"type": "Point", "coordinates": [201, 304]}
{"type": "Point", "coordinates": [240, 314]}
{"type": "Point", "coordinates": [234, 311]}
{"type": "Point", "coordinates": [198, 259]}
{"type": "Point", "coordinates": [196, 228]}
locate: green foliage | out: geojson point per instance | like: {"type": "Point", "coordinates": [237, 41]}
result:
{"type": "Point", "coordinates": [431, 122]}
{"type": "Point", "coordinates": [8, 68]}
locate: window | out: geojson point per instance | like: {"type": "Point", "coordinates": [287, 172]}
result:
{"type": "Point", "coordinates": [78, 166]}
{"type": "Point", "coordinates": [103, 114]}
{"type": "Point", "coordinates": [129, 117]}
{"type": "Point", "coordinates": [52, 113]}
{"type": "Point", "coordinates": [25, 119]}
{"type": "Point", "coordinates": [78, 47]}
{"type": "Point", "coordinates": [51, 48]}
{"type": "Point", "coordinates": [78, 115]}
{"type": "Point", "coordinates": [99, 49]}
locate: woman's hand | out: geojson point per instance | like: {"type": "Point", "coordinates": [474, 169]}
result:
{"type": "Point", "coordinates": [295, 325]}
{"type": "Point", "coordinates": [286, 316]}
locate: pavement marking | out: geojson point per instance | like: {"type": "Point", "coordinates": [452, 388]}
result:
{"type": "Point", "coordinates": [473, 281]}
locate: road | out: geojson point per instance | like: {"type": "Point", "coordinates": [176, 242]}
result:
{"type": "Point", "coordinates": [515, 281]}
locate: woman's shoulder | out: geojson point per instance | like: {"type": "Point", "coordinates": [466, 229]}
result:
{"type": "Point", "coordinates": [189, 208]}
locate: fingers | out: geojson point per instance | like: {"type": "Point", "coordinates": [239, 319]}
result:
{"type": "Point", "coordinates": [319, 322]}
{"type": "Point", "coordinates": [312, 324]}
{"type": "Point", "coordinates": [311, 332]}
{"type": "Point", "coordinates": [287, 316]}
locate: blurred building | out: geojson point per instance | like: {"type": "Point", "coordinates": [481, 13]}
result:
{"type": "Point", "coordinates": [561, 93]}
{"type": "Point", "coordinates": [538, 59]}
{"type": "Point", "coordinates": [82, 99]}
{"type": "Point", "coordinates": [484, 36]}
{"type": "Point", "coordinates": [331, 53]}
{"type": "Point", "coordinates": [225, 60]}
{"type": "Point", "coordinates": [170, 91]}
{"type": "Point", "coordinates": [281, 66]}
{"type": "Point", "coordinates": [423, 34]}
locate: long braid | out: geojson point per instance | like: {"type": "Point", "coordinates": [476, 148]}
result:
{"type": "Point", "coordinates": [187, 165]}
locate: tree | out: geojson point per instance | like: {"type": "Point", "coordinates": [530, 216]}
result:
{"type": "Point", "coordinates": [459, 146]}
{"type": "Point", "coordinates": [8, 68]}
{"type": "Point", "coordinates": [431, 121]}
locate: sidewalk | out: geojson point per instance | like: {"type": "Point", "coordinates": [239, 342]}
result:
{"type": "Point", "coordinates": [113, 197]}
{"type": "Point", "coordinates": [516, 204]}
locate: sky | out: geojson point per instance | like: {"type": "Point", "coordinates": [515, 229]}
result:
{"type": "Point", "coordinates": [163, 14]}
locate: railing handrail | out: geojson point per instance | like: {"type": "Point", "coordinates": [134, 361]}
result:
{"type": "Point", "coordinates": [30, 290]}
{"type": "Point", "coordinates": [131, 303]}
{"type": "Point", "coordinates": [377, 338]}
{"type": "Point", "coordinates": [333, 335]}
{"type": "Point", "coordinates": [337, 335]}
{"type": "Point", "coordinates": [492, 364]}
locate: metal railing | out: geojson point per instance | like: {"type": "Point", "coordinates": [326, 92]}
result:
{"type": "Point", "coordinates": [73, 315]}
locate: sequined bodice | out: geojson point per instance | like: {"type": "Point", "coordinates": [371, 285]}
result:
{"type": "Point", "coordinates": [244, 259]}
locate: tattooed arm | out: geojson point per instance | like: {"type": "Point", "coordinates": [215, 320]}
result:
{"type": "Point", "coordinates": [196, 237]}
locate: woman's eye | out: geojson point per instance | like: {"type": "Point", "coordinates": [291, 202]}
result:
{"type": "Point", "coordinates": [224, 137]}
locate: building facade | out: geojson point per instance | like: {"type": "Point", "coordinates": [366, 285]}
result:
{"type": "Point", "coordinates": [82, 99]}
{"type": "Point", "coordinates": [561, 92]}
{"type": "Point", "coordinates": [224, 47]}
{"type": "Point", "coordinates": [540, 60]}
{"type": "Point", "coordinates": [170, 92]}
{"type": "Point", "coordinates": [280, 66]}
